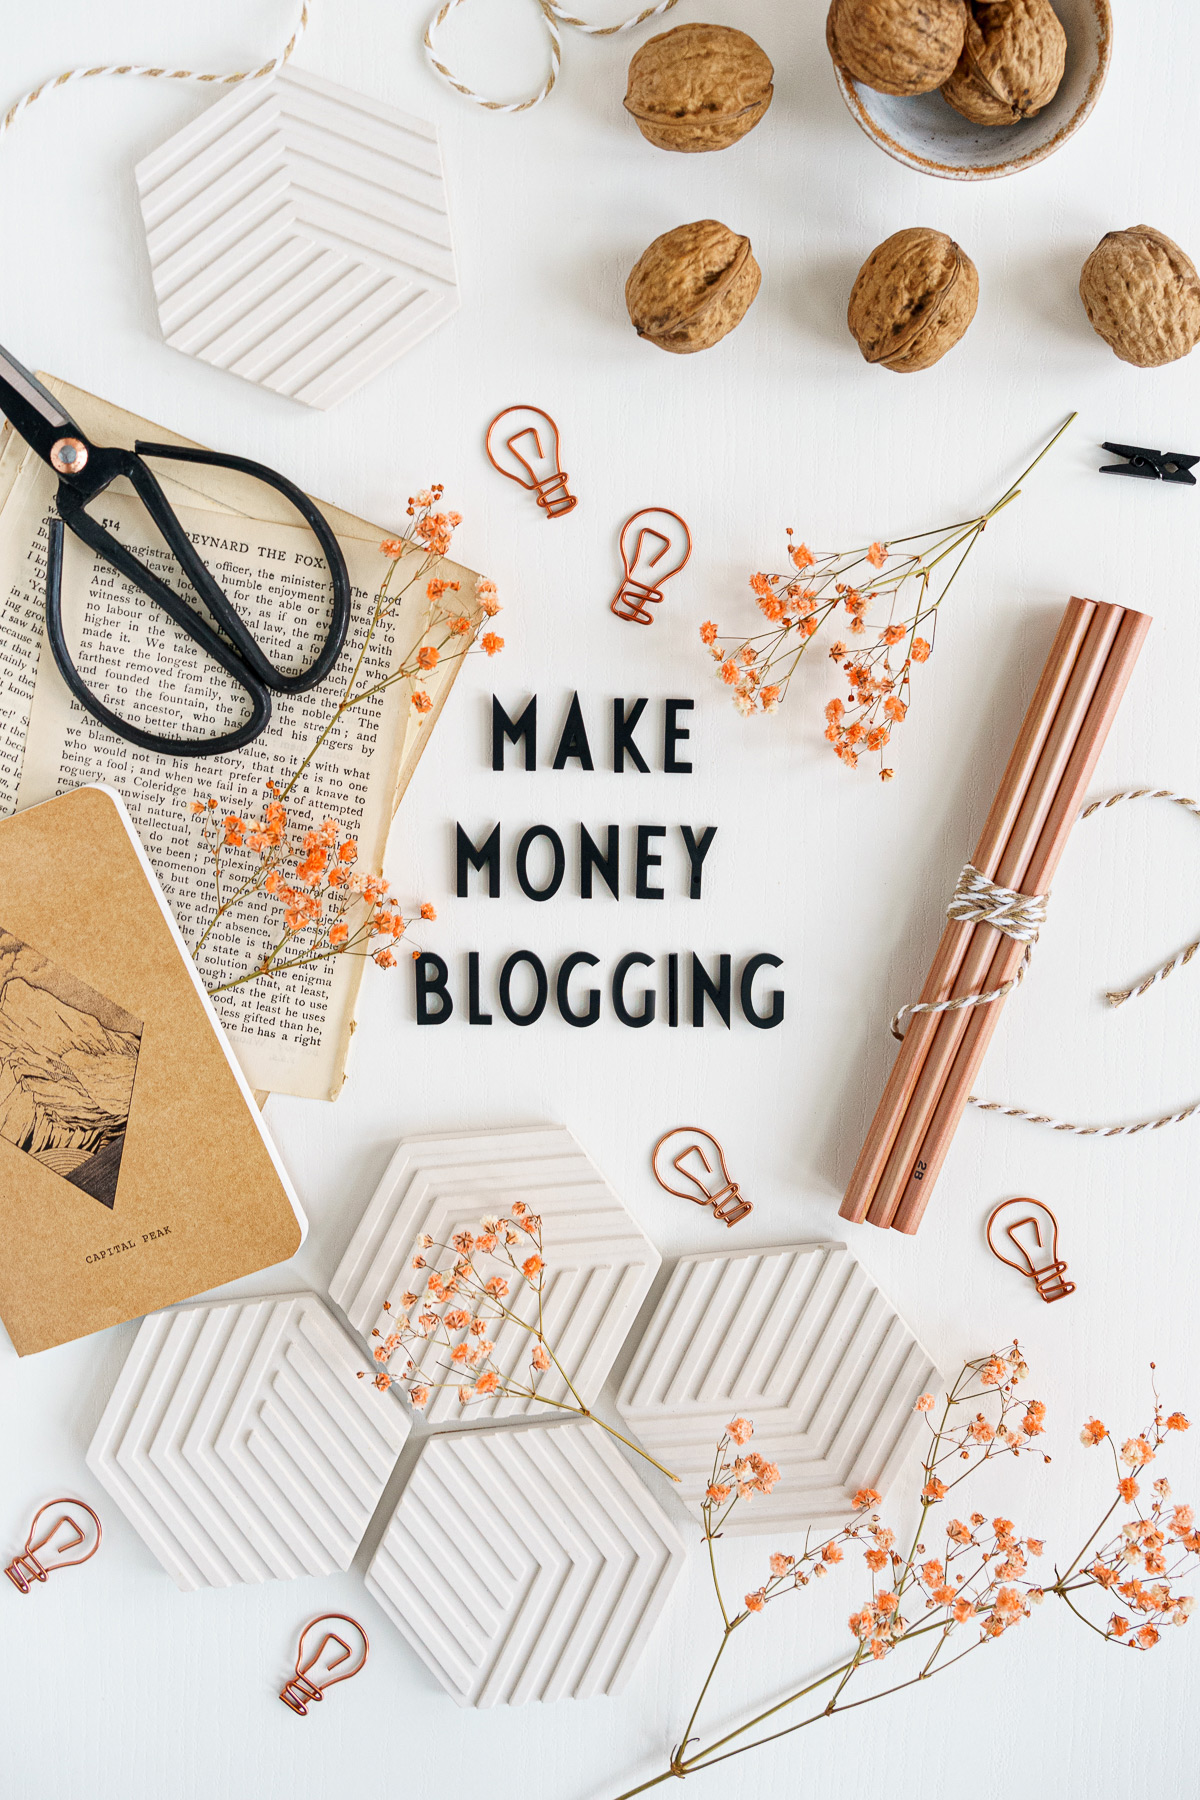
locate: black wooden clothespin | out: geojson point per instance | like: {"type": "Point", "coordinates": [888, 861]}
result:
{"type": "Point", "coordinates": [1151, 465]}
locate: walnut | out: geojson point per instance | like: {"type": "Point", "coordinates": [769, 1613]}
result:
{"type": "Point", "coordinates": [912, 300]}
{"type": "Point", "coordinates": [692, 286]}
{"type": "Point", "coordinates": [897, 46]}
{"type": "Point", "coordinates": [1013, 59]}
{"type": "Point", "coordinates": [699, 87]}
{"type": "Point", "coordinates": [1142, 295]}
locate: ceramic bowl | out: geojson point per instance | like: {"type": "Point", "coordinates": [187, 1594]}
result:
{"type": "Point", "coordinates": [925, 133]}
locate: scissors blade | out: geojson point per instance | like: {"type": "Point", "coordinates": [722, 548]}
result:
{"type": "Point", "coordinates": [32, 411]}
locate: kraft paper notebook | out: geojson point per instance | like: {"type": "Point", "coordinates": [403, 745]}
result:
{"type": "Point", "coordinates": [135, 1169]}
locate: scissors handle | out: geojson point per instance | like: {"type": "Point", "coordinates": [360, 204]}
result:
{"type": "Point", "coordinates": [202, 634]}
{"type": "Point", "coordinates": [232, 646]}
{"type": "Point", "coordinates": [161, 511]}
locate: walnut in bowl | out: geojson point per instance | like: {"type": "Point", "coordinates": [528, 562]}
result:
{"type": "Point", "coordinates": [926, 133]}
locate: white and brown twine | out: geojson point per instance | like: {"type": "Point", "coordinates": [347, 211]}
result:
{"type": "Point", "coordinates": [552, 17]}
{"type": "Point", "coordinates": [164, 74]}
{"type": "Point", "coordinates": [980, 901]}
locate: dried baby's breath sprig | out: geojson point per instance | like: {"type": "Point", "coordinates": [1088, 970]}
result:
{"type": "Point", "coordinates": [330, 906]}
{"type": "Point", "coordinates": [962, 1584]}
{"type": "Point", "coordinates": [909, 576]}
{"type": "Point", "coordinates": [446, 1322]}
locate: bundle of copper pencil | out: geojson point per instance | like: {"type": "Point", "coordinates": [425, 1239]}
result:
{"type": "Point", "coordinates": [1025, 834]}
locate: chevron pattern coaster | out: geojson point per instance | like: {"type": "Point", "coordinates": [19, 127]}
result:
{"type": "Point", "coordinates": [800, 1341]}
{"type": "Point", "coordinates": [298, 236]}
{"type": "Point", "coordinates": [241, 1444]}
{"type": "Point", "coordinates": [599, 1265]}
{"type": "Point", "coordinates": [526, 1564]}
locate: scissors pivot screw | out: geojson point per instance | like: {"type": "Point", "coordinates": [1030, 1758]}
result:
{"type": "Point", "coordinates": [69, 456]}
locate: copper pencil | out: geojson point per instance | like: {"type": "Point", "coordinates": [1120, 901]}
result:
{"type": "Point", "coordinates": [1035, 808]}
{"type": "Point", "coordinates": [1043, 863]}
{"type": "Point", "coordinates": [993, 840]}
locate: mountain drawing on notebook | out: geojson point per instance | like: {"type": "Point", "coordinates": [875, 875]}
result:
{"type": "Point", "coordinates": [68, 1058]}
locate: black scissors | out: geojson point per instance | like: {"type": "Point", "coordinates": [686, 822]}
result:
{"type": "Point", "coordinates": [85, 470]}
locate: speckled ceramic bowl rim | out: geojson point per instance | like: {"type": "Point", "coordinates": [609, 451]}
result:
{"type": "Point", "coordinates": [988, 171]}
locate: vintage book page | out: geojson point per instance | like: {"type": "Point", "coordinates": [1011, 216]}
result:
{"type": "Point", "coordinates": [22, 623]}
{"type": "Point", "coordinates": [292, 1033]}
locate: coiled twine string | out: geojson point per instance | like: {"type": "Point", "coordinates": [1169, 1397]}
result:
{"type": "Point", "coordinates": [552, 17]}
{"type": "Point", "coordinates": [228, 79]}
{"type": "Point", "coordinates": [1021, 916]}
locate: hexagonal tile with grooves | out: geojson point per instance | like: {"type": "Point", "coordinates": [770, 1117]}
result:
{"type": "Point", "coordinates": [526, 1563]}
{"type": "Point", "coordinates": [298, 236]}
{"type": "Point", "coordinates": [800, 1341]}
{"type": "Point", "coordinates": [242, 1444]}
{"type": "Point", "coordinates": [599, 1264]}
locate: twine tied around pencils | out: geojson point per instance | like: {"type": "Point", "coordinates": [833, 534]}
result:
{"type": "Point", "coordinates": [552, 16]}
{"type": "Point", "coordinates": [978, 901]}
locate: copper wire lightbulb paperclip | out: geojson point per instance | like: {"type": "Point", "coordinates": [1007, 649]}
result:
{"type": "Point", "coordinates": [1042, 1263]}
{"type": "Point", "coordinates": [73, 1528]}
{"type": "Point", "coordinates": [655, 544]}
{"type": "Point", "coordinates": [678, 1152]}
{"type": "Point", "coordinates": [522, 443]}
{"type": "Point", "coordinates": [325, 1656]}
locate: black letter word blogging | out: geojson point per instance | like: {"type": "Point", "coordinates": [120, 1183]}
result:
{"type": "Point", "coordinates": [546, 860]}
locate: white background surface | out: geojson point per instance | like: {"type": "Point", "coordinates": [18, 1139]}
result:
{"type": "Point", "coordinates": [116, 1685]}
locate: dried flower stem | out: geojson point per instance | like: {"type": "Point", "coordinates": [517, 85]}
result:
{"type": "Point", "coordinates": [331, 907]}
{"type": "Point", "coordinates": [979, 1578]}
{"type": "Point", "coordinates": [759, 668]}
{"type": "Point", "coordinates": [453, 1313]}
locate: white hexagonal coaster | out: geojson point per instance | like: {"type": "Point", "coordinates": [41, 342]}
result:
{"type": "Point", "coordinates": [241, 1443]}
{"type": "Point", "coordinates": [529, 1563]}
{"type": "Point", "coordinates": [599, 1265]}
{"type": "Point", "coordinates": [298, 236]}
{"type": "Point", "coordinates": [800, 1341]}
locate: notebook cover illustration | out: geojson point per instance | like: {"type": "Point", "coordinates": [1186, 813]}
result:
{"type": "Point", "coordinates": [135, 1169]}
{"type": "Point", "coordinates": [68, 1059]}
